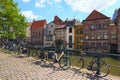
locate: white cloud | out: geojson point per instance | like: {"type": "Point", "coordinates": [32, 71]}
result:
{"type": "Point", "coordinates": [25, 0]}
{"type": "Point", "coordinates": [40, 3]}
{"type": "Point", "coordinates": [29, 14]}
{"type": "Point", "coordinates": [43, 3]}
{"type": "Point", "coordinates": [89, 5]}
{"type": "Point", "coordinates": [57, 1]}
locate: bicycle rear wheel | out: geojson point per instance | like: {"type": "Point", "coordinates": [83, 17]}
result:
{"type": "Point", "coordinates": [103, 69]}
{"type": "Point", "coordinates": [78, 63]}
{"type": "Point", "coordinates": [64, 63]}
{"type": "Point", "coordinates": [51, 59]}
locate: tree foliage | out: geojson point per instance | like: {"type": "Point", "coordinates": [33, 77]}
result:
{"type": "Point", "coordinates": [12, 22]}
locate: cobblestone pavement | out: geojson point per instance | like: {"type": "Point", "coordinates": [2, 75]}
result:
{"type": "Point", "coordinates": [14, 67]}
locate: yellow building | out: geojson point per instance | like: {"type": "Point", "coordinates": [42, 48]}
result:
{"type": "Point", "coordinates": [78, 36]}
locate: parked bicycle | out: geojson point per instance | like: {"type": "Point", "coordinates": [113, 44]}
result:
{"type": "Point", "coordinates": [98, 66]}
{"type": "Point", "coordinates": [43, 55]}
{"type": "Point", "coordinates": [63, 60]}
{"type": "Point", "coordinates": [39, 53]}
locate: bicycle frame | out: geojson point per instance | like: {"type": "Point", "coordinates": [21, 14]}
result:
{"type": "Point", "coordinates": [56, 56]}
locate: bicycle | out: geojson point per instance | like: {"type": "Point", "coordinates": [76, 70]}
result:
{"type": "Point", "coordinates": [63, 60]}
{"type": "Point", "coordinates": [98, 66]}
{"type": "Point", "coordinates": [43, 55]}
{"type": "Point", "coordinates": [40, 54]}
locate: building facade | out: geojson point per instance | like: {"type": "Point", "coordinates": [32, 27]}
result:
{"type": "Point", "coordinates": [37, 32]}
{"type": "Point", "coordinates": [70, 33]}
{"type": "Point", "coordinates": [96, 32]}
{"type": "Point", "coordinates": [113, 38]}
{"type": "Point", "coordinates": [116, 20]}
{"type": "Point", "coordinates": [78, 36]}
{"type": "Point", "coordinates": [49, 34]}
{"type": "Point", "coordinates": [60, 32]}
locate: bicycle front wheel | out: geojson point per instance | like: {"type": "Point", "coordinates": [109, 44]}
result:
{"type": "Point", "coordinates": [101, 71]}
{"type": "Point", "coordinates": [64, 63]}
{"type": "Point", "coordinates": [78, 63]}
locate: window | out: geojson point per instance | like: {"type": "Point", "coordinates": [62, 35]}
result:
{"type": "Point", "coordinates": [98, 45]}
{"type": "Point", "coordinates": [70, 30]}
{"type": "Point", "coordinates": [51, 25]}
{"type": "Point", "coordinates": [49, 32]}
{"type": "Point", "coordinates": [77, 46]}
{"type": "Point", "coordinates": [81, 31]}
{"type": "Point", "coordinates": [114, 37]}
{"type": "Point", "coordinates": [77, 39]}
{"type": "Point", "coordinates": [98, 26]}
{"type": "Point", "coordinates": [70, 41]}
{"type": "Point", "coordinates": [49, 38]}
{"type": "Point", "coordinates": [99, 36]}
{"type": "Point", "coordinates": [77, 31]}
{"type": "Point", "coordinates": [105, 25]}
{"type": "Point", "coordinates": [92, 36]}
{"type": "Point", "coordinates": [105, 35]}
{"type": "Point", "coordinates": [105, 45]}
{"type": "Point", "coordinates": [86, 36]}
{"type": "Point", "coordinates": [86, 44]}
{"type": "Point", "coordinates": [93, 45]}
{"type": "Point", "coordinates": [92, 26]}
{"type": "Point", "coordinates": [81, 40]}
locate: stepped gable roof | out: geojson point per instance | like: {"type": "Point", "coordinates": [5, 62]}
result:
{"type": "Point", "coordinates": [96, 15]}
{"type": "Point", "coordinates": [39, 23]}
{"type": "Point", "coordinates": [57, 20]}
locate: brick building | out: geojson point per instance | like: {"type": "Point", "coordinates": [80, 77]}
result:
{"type": "Point", "coordinates": [116, 20]}
{"type": "Point", "coordinates": [37, 32]}
{"type": "Point", "coordinates": [96, 32]}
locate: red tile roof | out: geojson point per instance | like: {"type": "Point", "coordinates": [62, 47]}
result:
{"type": "Point", "coordinates": [39, 23]}
{"type": "Point", "coordinates": [96, 15]}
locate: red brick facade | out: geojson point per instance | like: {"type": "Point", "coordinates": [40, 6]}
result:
{"type": "Point", "coordinates": [96, 32]}
{"type": "Point", "coordinates": [37, 32]}
{"type": "Point", "coordinates": [117, 23]}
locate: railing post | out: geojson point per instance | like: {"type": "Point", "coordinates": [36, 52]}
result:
{"type": "Point", "coordinates": [66, 54]}
{"type": "Point", "coordinates": [98, 63]}
{"type": "Point", "coordinates": [28, 53]}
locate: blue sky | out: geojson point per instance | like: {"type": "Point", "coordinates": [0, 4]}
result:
{"type": "Point", "coordinates": [79, 9]}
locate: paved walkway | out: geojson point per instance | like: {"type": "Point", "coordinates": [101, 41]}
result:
{"type": "Point", "coordinates": [13, 67]}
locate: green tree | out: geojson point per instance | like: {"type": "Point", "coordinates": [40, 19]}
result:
{"type": "Point", "coordinates": [12, 22]}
